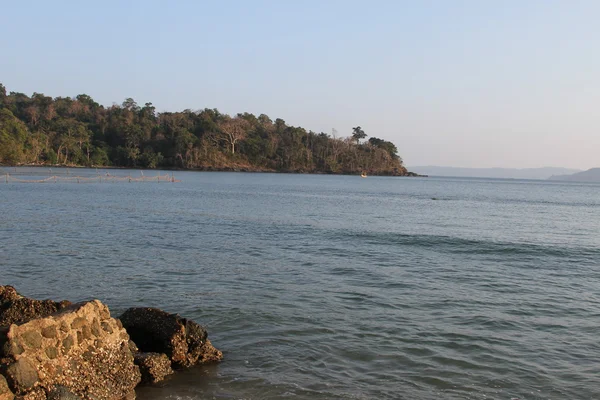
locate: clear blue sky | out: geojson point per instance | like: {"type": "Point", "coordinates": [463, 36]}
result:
{"type": "Point", "coordinates": [476, 83]}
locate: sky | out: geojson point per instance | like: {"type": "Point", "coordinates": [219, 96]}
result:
{"type": "Point", "coordinates": [465, 83]}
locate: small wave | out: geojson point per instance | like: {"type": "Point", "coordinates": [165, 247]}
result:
{"type": "Point", "coordinates": [460, 245]}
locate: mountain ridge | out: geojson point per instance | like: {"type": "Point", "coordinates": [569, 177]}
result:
{"type": "Point", "coordinates": [541, 173]}
{"type": "Point", "coordinates": [590, 175]}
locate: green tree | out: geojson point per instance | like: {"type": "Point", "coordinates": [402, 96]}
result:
{"type": "Point", "coordinates": [13, 134]}
{"type": "Point", "coordinates": [385, 145]}
{"type": "Point", "coordinates": [80, 131]}
{"type": "Point", "coordinates": [2, 95]}
{"type": "Point", "coordinates": [358, 134]}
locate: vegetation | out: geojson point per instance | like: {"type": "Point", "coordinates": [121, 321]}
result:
{"type": "Point", "coordinates": [79, 131]}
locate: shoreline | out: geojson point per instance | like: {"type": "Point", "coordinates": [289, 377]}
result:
{"type": "Point", "coordinates": [217, 169]}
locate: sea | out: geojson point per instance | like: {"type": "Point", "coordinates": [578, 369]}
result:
{"type": "Point", "coordinates": [326, 286]}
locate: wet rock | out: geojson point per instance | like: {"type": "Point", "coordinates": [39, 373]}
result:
{"type": "Point", "coordinates": [16, 309]}
{"type": "Point", "coordinates": [200, 349]}
{"type": "Point", "coordinates": [153, 366]}
{"type": "Point", "coordinates": [208, 353]}
{"type": "Point", "coordinates": [52, 362]}
{"type": "Point", "coordinates": [156, 331]}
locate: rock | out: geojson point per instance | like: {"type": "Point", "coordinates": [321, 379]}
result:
{"type": "Point", "coordinates": [22, 375]}
{"type": "Point", "coordinates": [35, 394]}
{"type": "Point", "coordinates": [32, 339]}
{"type": "Point", "coordinates": [208, 353]}
{"type": "Point", "coordinates": [16, 309]}
{"type": "Point", "coordinates": [8, 293]}
{"type": "Point", "coordinates": [5, 392]}
{"type": "Point", "coordinates": [62, 393]}
{"type": "Point", "coordinates": [199, 347]}
{"type": "Point", "coordinates": [41, 360]}
{"type": "Point", "coordinates": [62, 351]}
{"type": "Point", "coordinates": [153, 366]}
{"type": "Point", "coordinates": [156, 331]}
{"type": "Point", "coordinates": [133, 347]}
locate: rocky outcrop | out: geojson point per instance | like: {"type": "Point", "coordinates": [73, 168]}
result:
{"type": "Point", "coordinates": [182, 340]}
{"type": "Point", "coordinates": [153, 366]}
{"type": "Point", "coordinates": [16, 309]}
{"type": "Point", "coordinates": [62, 351]}
{"type": "Point", "coordinates": [79, 351]}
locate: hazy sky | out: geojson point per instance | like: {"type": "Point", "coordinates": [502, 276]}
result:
{"type": "Point", "coordinates": [478, 83]}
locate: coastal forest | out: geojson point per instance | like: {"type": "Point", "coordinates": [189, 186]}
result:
{"type": "Point", "coordinates": [41, 130]}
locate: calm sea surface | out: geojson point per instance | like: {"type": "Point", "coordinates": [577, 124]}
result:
{"type": "Point", "coordinates": [333, 287]}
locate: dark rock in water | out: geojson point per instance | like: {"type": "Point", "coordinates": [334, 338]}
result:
{"type": "Point", "coordinates": [200, 349]}
{"type": "Point", "coordinates": [67, 354]}
{"type": "Point", "coordinates": [16, 309]}
{"type": "Point", "coordinates": [208, 353]}
{"type": "Point", "coordinates": [155, 331]}
{"type": "Point", "coordinates": [183, 341]}
{"type": "Point", "coordinates": [5, 392]}
{"type": "Point", "coordinates": [153, 366]}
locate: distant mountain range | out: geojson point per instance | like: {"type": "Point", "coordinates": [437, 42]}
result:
{"type": "Point", "coordinates": [591, 175]}
{"type": "Point", "coordinates": [508, 173]}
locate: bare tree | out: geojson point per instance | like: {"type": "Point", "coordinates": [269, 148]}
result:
{"type": "Point", "coordinates": [234, 130]}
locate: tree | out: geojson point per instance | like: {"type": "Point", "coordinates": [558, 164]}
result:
{"type": "Point", "coordinates": [80, 131]}
{"type": "Point", "coordinates": [2, 95]}
{"type": "Point", "coordinates": [13, 134]}
{"type": "Point", "coordinates": [131, 105]}
{"type": "Point", "coordinates": [234, 130]}
{"type": "Point", "coordinates": [358, 133]}
{"type": "Point", "coordinates": [385, 145]}
{"type": "Point", "coordinates": [72, 136]}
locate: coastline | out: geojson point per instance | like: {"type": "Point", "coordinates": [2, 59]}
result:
{"type": "Point", "coordinates": [220, 169]}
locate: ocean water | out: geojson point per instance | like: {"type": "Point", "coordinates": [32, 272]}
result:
{"type": "Point", "coordinates": [333, 287]}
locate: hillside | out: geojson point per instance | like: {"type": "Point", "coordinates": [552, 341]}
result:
{"type": "Point", "coordinates": [507, 173]}
{"type": "Point", "coordinates": [591, 175]}
{"type": "Point", "coordinates": [41, 130]}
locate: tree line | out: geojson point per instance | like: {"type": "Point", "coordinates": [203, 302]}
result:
{"type": "Point", "coordinates": [41, 130]}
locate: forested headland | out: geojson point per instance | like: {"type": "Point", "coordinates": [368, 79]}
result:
{"type": "Point", "coordinates": [41, 130]}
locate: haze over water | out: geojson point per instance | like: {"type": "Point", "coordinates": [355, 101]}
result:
{"type": "Point", "coordinates": [333, 287]}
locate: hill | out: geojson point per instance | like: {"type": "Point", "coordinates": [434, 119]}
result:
{"type": "Point", "coordinates": [41, 130]}
{"type": "Point", "coordinates": [591, 175]}
{"type": "Point", "coordinates": [508, 173]}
